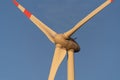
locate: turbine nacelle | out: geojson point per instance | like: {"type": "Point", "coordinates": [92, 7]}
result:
{"type": "Point", "coordinates": [67, 43]}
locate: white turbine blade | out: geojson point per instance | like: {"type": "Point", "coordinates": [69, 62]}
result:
{"type": "Point", "coordinates": [88, 17]}
{"type": "Point", "coordinates": [46, 30]}
{"type": "Point", "coordinates": [58, 57]}
{"type": "Point", "coordinates": [70, 64]}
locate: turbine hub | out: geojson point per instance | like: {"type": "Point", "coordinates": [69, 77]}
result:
{"type": "Point", "coordinates": [67, 43]}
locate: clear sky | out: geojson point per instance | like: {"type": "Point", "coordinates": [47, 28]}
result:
{"type": "Point", "coordinates": [26, 53]}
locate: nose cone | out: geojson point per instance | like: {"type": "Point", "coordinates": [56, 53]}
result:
{"type": "Point", "coordinates": [75, 45]}
{"type": "Point", "coordinates": [77, 49]}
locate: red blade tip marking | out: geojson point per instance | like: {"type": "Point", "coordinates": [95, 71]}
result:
{"type": "Point", "coordinates": [27, 13]}
{"type": "Point", "coordinates": [111, 0]}
{"type": "Point", "coordinates": [15, 2]}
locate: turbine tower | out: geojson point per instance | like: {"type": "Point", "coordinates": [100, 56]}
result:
{"type": "Point", "coordinates": [64, 44]}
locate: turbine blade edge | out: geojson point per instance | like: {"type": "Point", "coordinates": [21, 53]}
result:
{"type": "Point", "coordinates": [58, 57]}
{"type": "Point", "coordinates": [44, 28]}
{"type": "Point", "coordinates": [87, 18]}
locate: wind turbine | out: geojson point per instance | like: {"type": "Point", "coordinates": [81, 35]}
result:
{"type": "Point", "coordinates": [63, 42]}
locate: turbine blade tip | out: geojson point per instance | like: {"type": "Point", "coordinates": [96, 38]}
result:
{"type": "Point", "coordinates": [15, 2]}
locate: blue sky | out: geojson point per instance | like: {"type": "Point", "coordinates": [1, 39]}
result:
{"type": "Point", "coordinates": [26, 53]}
